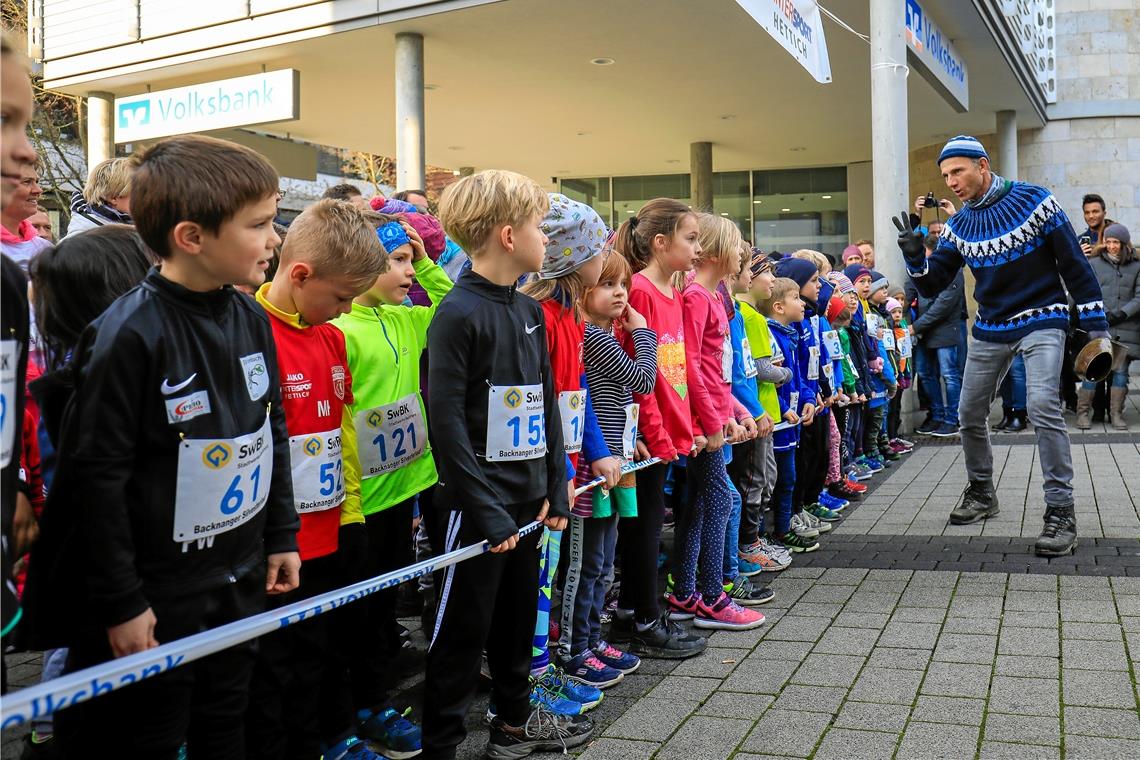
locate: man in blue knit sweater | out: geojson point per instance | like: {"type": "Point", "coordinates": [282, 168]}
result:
{"type": "Point", "coordinates": [1027, 264]}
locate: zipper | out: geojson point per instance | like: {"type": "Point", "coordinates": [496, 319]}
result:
{"type": "Point", "coordinates": [391, 345]}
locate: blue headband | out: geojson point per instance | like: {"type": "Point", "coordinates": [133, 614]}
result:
{"type": "Point", "coordinates": [392, 236]}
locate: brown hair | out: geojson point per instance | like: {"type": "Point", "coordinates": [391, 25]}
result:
{"type": "Point", "coordinates": [198, 179]}
{"type": "Point", "coordinates": [342, 192]}
{"type": "Point", "coordinates": [473, 207]}
{"type": "Point", "coordinates": [661, 216]}
{"type": "Point", "coordinates": [865, 242]}
{"type": "Point", "coordinates": [569, 290]}
{"type": "Point", "coordinates": [616, 268]}
{"type": "Point", "coordinates": [336, 238]}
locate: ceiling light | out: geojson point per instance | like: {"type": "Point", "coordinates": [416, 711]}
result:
{"type": "Point", "coordinates": [728, 117]}
{"type": "Point", "coordinates": [455, 147]}
{"type": "Point", "coordinates": [724, 213]}
{"type": "Point", "coordinates": [757, 202]}
{"type": "Point", "coordinates": [826, 197]}
{"type": "Point", "coordinates": [798, 149]}
{"type": "Point", "coordinates": [629, 211]}
{"type": "Point", "coordinates": [455, 172]}
{"type": "Point", "coordinates": [602, 61]}
{"type": "Point", "coordinates": [431, 86]}
{"type": "Point", "coordinates": [672, 160]}
{"type": "Point", "coordinates": [785, 209]}
{"type": "Point", "coordinates": [583, 134]}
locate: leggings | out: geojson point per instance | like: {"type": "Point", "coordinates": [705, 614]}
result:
{"type": "Point", "coordinates": [703, 540]}
{"type": "Point", "coordinates": [833, 439]}
{"type": "Point", "coordinates": [549, 550]}
{"type": "Point", "coordinates": [640, 542]}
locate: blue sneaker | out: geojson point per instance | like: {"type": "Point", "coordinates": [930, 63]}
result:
{"type": "Point", "coordinates": [617, 659]}
{"type": "Point", "coordinates": [396, 736]}
{"type": "Point", "coordinates": [834, 503]}
{"type": "Point", "coordinates": [351, 748]}
{"type": "Point", "coordinates": [872, 464]}
{"type": "Point", "coordinates": [556, 681]}
{"type": "Point", "coordinates": [589, 670]}
{"type": "Point", "coordinates": [552, 701]}
{"type": "Point", "coordinates": [747, 568]}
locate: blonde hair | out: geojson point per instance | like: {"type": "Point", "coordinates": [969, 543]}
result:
{"type": "Point", "coordinates": [336, 239]}
{"type": "Point", "coordinates": [569, 289]}
{"type": "Point", "coordinates": [9, 47]}
{"type": "Point", "coordinates": [473, 207]}
{"type": "Point", "coordinates": [718, 236]}
{"type": "Point", "coordinates": [781, 288]}
{"type": "Point", "coordinates": [110, 179]}
{"type": "Point", "coordinates": [815, 257]}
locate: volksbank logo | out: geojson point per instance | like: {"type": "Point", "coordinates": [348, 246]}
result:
{"type": "Point", "coordinates": [255, 99]}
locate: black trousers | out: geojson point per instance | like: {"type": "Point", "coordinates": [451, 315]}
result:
{"type": "Point", "coordinates": [640, 545]}
{"type": "Point", "coordinates": [202, 703]}
{"type": "Point", "coordinates": [811, 462]}
{"type": "Point", "coordinates": [289, 682]}
{"type": "Point", "coordinates": [346, 674]}
{"type": "Point", "coordinates": [490, 603]}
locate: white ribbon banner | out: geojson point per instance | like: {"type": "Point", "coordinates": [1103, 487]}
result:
{"type": "Point", "coordinates": [798, 27]}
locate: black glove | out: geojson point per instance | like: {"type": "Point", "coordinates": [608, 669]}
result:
{"type": "Point", "coordinates": [910, 242]}
{"type": "Point", "coordinates": [1116, 316]}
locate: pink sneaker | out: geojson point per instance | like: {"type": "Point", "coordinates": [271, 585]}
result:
{"type": "Point", "coordinates": [726, 615]}
{"type": "Point", "coordinates": [682, 609]}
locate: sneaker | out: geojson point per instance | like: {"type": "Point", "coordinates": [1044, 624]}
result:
{"type": "Point", "coordinates": [844, 492]}
{"type": "Point", "coordinates": [859, 471]}
{"type": "Point", "coordinates": [928, 426]}
{"type": "Point", "coordinates": [766, 558]}
{"type": "Point", "coordinates": [797, 544]}
{"type": "Point", "coordinates": [746, 567]}
{"type": "Point", "coordinates": [681, 609]}
{"type": "Point", "coordinates": [902, 447]}
{"type": "Point", "coordinates": [854, 486]}
{"type": "Point", "coordinates": [832, 502]}
{"type": "Point", "coordinates": [801, 527]}
{"type": "Point", "coordinates": [726, 615]}
{"type": "Point", "coordinates": [775, 548]}
{"type": "Point", "coordinates": [826, 514]}
{"type": "Point", "coordinates": [669, 521]}
{"type": "Point", "coordinates": [889, 455]}
{"type": "Point", "coordinates": [591, 671]}
{"type": "Point", "coordinates": [745, 593]}
{"type": "Point", "coordinates": [543, 730]}
{"type": "Point", "coordinates": [623, 662]}
{"type": "Point", "coordinates": [814, 522]}
{"type": "Point", "coordinates": [540, 696]}
{"type": "Point", "coordinates": [558, 682]}
{"type": "Point", "coordinates": [554, 631]}
{"type": "Point", "coordinates": [873, 464]}
{"type": "Point", "coordinates": [905, 442]}
{"type": "Point", "coordinates": [666, 640]}
{"type": "Point", "coordinates": [392, 733]}
{"type": "Point", "coordinates": [352, 748]}
{"type": "Point", "coordinates": [945, 430]}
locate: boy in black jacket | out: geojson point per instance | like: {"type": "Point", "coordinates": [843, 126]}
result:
{"type": "Point", "coordinates": [174, 460]}
{"type": "Point", "coordinates": [498, 443]}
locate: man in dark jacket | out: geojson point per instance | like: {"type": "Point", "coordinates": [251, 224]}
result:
{"type": "Point", "coordinates": [937, 329]}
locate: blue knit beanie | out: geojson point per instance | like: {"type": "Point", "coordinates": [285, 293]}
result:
{"type": "Point", "coordinates": [878, 282]}
{"type": "Point", "coordinates": [963, 145]}
{"type": "Point", "coordinates": [799, 270]}
{"type": "Point", "coordinates": [855, 271]}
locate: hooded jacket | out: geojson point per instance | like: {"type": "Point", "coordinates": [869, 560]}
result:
{"type": "Point", "coordinates": [486, 335]}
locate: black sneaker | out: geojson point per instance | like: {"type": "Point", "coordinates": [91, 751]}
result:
{"type": "Point", "coordinates": [978, 502]}
{"type": "Point", "coordinates": [666, 640]}
{"type": "Point", "coordinates": [543, 730]}
{"type": "Point", "coordinates": [928, 426]}
{"type": "Point", "coordinates": [621, 627]}
{"type": "Point", "coordinates": [945, 430]}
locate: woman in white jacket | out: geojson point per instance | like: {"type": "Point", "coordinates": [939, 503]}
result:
{"type": "Point", "coordinates": [106, 198]}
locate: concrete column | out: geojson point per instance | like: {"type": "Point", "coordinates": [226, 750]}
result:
{"type": "Point", "coordinates": [700, 174]}
{"type": "Point", "coordinates": [100, 127]}
{"type": "Point", "coordinates": [890, 173]}
{"type": "Point", "coordinates": [409, 111]}
{"type": "Point", "coordinates": [1005, 157]}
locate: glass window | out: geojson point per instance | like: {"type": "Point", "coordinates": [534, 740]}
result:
{"type": "Point", "coordinates": [800, 208]}
{"type": "Point", "coordinates": [631, 193]}
{"type": "Point", "coordinates": [731, 199]}
{"type": "Point", "coordinates": [593, 191]}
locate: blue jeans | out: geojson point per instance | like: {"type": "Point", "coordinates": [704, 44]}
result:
{"type": "Point", "coordinates": [938, 366]}
{"type": "Point", "coordinates": [1013, 387]}
{"type": "Point", "coordinates": [732, 535]}
{"type": "Point", "coordinates": [785, 485]}
{"type": "Point", "coordinates": [591, 548]}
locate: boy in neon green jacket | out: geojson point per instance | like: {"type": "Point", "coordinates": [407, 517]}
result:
{"type": "Point", "coordinates": [386, 449]}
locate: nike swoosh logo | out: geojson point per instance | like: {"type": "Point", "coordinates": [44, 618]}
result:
{"type": "Point", "coordinates": [530, 329]}
{"type": "Point", "coordinates": [167, 388]}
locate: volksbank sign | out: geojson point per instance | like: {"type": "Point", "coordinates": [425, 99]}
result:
{"type": "Point", "coordinates": [937, 59]}
{"type": "Point", "coordinates": [255, 99]}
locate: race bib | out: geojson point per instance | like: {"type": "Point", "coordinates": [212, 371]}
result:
{"type": "Point", "coordinates": [390, 436]}
{"type": "Point", "coordinates": [9, 361]}
{"type": "Point", "coordinates": [572, 407]}
{"type": "Point", "coordinates": [221, 483]}
{"type": "Point", "coordinates": [889, 340]}
{"type": "Point", "coordinates": [831, 341]}
{"type": "Point", "coordinates": [516, 423]}
{"type": "Point", "coordinates": [794, 401]}
{"type": "Point", "coordinates": [318, 471]}
{"type": "Point", "coordinates": [629, 432]}
{"type": "Point", "coordinates": [829, 372]}
{"type": "Point", "coordinates": [873, 325]}
{"type": "Point", "coordinates": [906, 347]}
{"type": "Point", "coordinates": [813, 363]}
{"type": "Point", "coordinates": [726, 361]}
{"type": "Point", "coordinates": [777, 352]}
{"type": "Point", "coordinates": [749, 360]}
{"type": "Point", "coordinates": [815, 327]}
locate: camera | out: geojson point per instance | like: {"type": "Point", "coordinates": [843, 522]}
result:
{"type": "Point", "coordinates": [929, 202]}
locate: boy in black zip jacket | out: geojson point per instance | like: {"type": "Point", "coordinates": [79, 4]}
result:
{"type": "Point", "coordinates": [174, 461]}
{"type": "Point", "coordinates": [498, 444]}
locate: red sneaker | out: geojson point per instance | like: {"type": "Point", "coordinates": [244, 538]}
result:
{"type": "Point", "coordinates": [855, 486]}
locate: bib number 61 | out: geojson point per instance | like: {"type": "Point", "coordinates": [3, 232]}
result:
{"type": "Point", "coordinates": [234, 496]}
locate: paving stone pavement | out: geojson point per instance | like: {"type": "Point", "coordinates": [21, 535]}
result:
{"type": "Point", "coordinates": [904, 637]}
